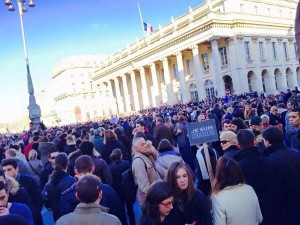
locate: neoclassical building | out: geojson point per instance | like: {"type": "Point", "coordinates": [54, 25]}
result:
{"type": "Point", "coordinates": [240, 45]}
{"type": "Point", "coordinates": [71, 96]}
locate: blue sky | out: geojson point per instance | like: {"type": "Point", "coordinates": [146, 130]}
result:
{"type": "Point", "coordinates": [57, 29]}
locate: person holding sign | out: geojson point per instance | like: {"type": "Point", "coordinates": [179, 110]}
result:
{"type": "Point", "coordinates": [191, 205]}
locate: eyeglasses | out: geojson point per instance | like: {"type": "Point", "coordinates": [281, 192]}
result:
{"type": "Point", "coordinates": [53, 157]}
{"type": "Point", "coordinates": [168, 204]}
{"type": "Point", "coordinates": [224, 142]}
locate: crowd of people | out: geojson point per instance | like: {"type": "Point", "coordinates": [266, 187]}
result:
{"type": "Point", "coordinates": [94, 173]}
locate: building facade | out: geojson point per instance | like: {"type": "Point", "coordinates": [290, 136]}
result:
{"type": "Point", "coordinates": [236, 45]}
{"type": "Point", "coordinates": [71, 96]}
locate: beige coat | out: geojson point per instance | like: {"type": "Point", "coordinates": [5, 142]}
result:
{"type": "Point", "coordinates": [143, 178]}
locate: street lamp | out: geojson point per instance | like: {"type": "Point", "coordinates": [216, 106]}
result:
{"type": "Point", "coordinates": [33, 108]}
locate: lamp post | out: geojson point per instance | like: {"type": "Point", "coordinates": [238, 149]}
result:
{"type": "Point", "coordinates": [33, 108]}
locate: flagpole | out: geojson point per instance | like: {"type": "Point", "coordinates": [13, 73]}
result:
{"type": "Point", "coordinates": [142, 22]}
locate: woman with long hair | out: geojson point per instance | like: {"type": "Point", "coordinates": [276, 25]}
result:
{"type": "Point", "coordinates": [191, 205]}
{"type": "Point", "coordinates": [111, 142]}
{"type": "Point", "coordinates": [158, 204]}
{"type": "Point", "coordinates": [167, 155]}
{"type": "Point", "coordinates": [233, 201]}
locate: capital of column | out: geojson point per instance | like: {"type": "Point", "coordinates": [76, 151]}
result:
{"type": "Point", "coordinates": [152, 64]}
{"type": "Point", "coordinates": [213, 40]}
{"type": "Point", "coordinates": [230, 40]}
{"type": "Point", "coordinates": [254, 39]}
{"type": "Point", "coordinates": [116, 79]}
{"type": "Point", "coordinates": [179, 53]}
{"type": "Point", "coordinates": [165, 60]}
{"type": "Point", "coordinates": [195, 49]}
{"type": "Point", "coordinates": [280, 40]}
{"type": "Point", "coordinates": [240, 38]}
{"type": "Point", "coordinates": [268, 40]}
{"type": "Point", "coordinates": [141, 69]}
{"type": "Point", "coordinates": [291, 40]}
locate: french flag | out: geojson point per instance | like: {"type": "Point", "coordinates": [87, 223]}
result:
{"type": "Point", "coordinates": [148, 27]}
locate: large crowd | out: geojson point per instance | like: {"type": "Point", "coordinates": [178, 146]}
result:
{"type": "Point", "coordinates": [97, 172]}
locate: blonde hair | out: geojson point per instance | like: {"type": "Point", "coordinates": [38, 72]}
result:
{"type": "Point", "coordinates": [229, 136]}
{"type": "Point", "coordinates": [265, 118]}
{"type": "Point", "coordinates": [273, 108]}
{"type": "Point", "coordinates": [32, 154]}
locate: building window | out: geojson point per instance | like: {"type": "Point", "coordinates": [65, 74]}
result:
{"type": "Point", "coordinates": [247, 50]}
{"type": "Point", "coordinates": [223, 53]}
{"type": "Point", "coordinates": [194, 92]}
{"type": "Point", "coordinates": [209, 89]}
{"type": "Point", "coordinates": [274, 50]}
{"type": "Point", "coordinates": [188, 67]}
{"type": "Point", "coordinates": [175, 70]}
{"type": "Point", "coordinates": [261, 50]}
{"type": "Point", "coordinates": [286, 55]}
{"type": "Point", "coordinates": [205, 61]}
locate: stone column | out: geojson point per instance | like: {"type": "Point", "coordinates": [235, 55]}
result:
{"type": "Point", "coordinates": [126, 94]}
{"type": "Point", "coordinates": [270, 63]}
{"type": "Point", "coordinates": [197, 72]}
{"type": "Point", "coordinates": [146, 102]}
{"type": "Point", "coordinates": [292, 57]}
{"type": "Point", "coordinates": [134, 91]}
{"type": "Point", "coordinates": [101, 99]}
{"type": "Point", "coordinates": [181, 77]}
{"type": "Point", "coordinates": [282, 59]}
{"type": "Point", "coordinates": [155, 88]}
{"type": "Point", "coordinates": [169, 85]}
{"type": "Point", "coordinates": [256, 57]}
{"type": "Point", "coordinates": [118, 95]}
{"type": "Point", "coordinates": [240, 63]}
{"type": "Point", "coordinates": [112, 102]}
{"type": "Point", "coordinates": [232, 55]}
{"type": "Point", "coordinates": [217, 67]}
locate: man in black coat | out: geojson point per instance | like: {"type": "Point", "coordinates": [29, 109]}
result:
{"type": "Point", "coordinates": [10, 167]}
{"type": "Point", "coordinates": [161, 131]}
{"type": "Point", "coordinates": [290, 158]}
{"type": "Point", "coordinates": [266, 176]}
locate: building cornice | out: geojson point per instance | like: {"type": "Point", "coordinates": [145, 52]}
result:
{"type": "Point", "coordinates": [146, 53]}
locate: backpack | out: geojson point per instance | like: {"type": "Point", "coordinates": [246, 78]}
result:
{"type": "Point", "coordinates": [128, 184]}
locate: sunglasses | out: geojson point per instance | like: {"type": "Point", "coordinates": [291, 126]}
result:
{"type": "Point", "coordinates": [168, 204]}
{"type": "Point", "coordinates": [53, 157]}
{"type": "Point", "coordinates": [224, 141]}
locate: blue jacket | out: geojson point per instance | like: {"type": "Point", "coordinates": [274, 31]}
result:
{"type": "Point", "coordinates": [98, 143]}
{"type": "Point", "coordinates": [109, 199]}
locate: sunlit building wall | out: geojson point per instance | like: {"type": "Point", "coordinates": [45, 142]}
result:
{"type": "Point", "coordinates": [234, 45]}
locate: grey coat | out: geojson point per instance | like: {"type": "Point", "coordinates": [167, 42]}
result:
{"type": "Point", "coordinates": [88, 214]}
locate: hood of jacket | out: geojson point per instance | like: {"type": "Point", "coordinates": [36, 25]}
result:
{"type": "Point", "coordinates": [12, 185]}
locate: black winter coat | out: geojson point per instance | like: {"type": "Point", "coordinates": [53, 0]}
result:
{"type": "Point", "coordinates": [197, 209]}
{"type": "Point", "coordinates": [110, 146]}
{"type": "Point", "coordinates": [290, 158]}
{"type": "Point", "coordinates": [53, 189]}
{"type": "Point", "coordinates": [268, 179]}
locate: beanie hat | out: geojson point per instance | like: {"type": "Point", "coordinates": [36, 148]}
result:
{"type": "Point", "coordinates": [255, 120]}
